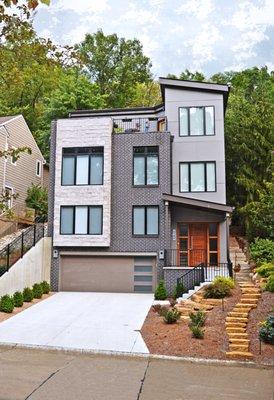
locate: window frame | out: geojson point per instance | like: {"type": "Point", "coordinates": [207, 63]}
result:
{"type": "Point", "coordinates": [205, 176]}
{"type": "Point", "coordinates": [204, 121]}
{"type": "Point", "coordinates": [38, 162]}
{"type": "Point", "coordinates": [75, 151]}
{"type": "Point", "coordinates": [88, 220]}
{"type": "Point", "coordinates": [145, 221]}
{"type": "Point", "coordinates": [145, 154]}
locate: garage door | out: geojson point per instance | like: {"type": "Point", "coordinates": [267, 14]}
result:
{"type": "Point", "coordinates": [106, 274]}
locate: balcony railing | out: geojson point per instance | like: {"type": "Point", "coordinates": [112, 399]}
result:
{"type": "Point", "coordinates": [140, 125]}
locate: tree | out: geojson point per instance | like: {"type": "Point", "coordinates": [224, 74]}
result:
{"type": "Point", "coordinates": [37, 198]}
{"type": "Point", "coordinates": [115, 64]}
{"type": "Point", "coordinates": [146, 95]}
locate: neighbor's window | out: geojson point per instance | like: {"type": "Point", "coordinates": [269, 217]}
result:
{"type": "Point", "coordinates": [198, 177]}
{"type": "Point", "coordinates": [145, 220]}
{"type": "Point", "coordinates": [81, 220]}
{"type": "Point", "coordinates": [196, 121]}
{"type": "Point", "coordinates": [145, 166]}
{"type": "Point", "coordinates": [83, 166]}
{"type": "Point", "coordinates": [38, 168]}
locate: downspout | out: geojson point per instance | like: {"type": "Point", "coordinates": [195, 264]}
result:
{"type": "Point", "coordinates": [5, 159]}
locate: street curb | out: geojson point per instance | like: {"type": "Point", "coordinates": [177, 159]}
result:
{"type": "Point", "coordinates": [191, 360]}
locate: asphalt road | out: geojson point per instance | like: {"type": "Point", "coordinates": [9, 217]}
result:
{"type": "Point", "coordinates": [50, 375]}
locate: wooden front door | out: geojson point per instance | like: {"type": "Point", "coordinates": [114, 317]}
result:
{"type": "Point", "coordinates": [197, 244]}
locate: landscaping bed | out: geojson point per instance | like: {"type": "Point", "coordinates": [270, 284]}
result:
{"type": "Point", "coordinates": [177, 339]}
{"type": "Point", "coordinates": [17, 310]}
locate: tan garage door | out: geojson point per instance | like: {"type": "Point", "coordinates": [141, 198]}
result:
{"type": "Point", "coordinates": [107, 274]}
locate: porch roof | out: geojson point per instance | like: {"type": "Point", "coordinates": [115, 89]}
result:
{"type": "Point", "coordinates": [205, 205]}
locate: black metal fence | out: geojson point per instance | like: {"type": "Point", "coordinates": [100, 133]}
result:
{"type": "Point", "coordinates": [140, 125]}
{"type": "Point", "coordinates": [19, 246]}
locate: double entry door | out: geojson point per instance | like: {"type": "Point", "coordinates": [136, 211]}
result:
{"type": "Point", "coordinates": [197, 243]}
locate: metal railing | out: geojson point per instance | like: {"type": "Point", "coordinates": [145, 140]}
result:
{"type": "Point", "coordinates": [15, 250]}
{"type": "Point", "coordinates": [140, 125]}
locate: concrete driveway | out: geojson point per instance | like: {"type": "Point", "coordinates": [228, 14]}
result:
{"type": "Point", "coordinates": [97, 321]}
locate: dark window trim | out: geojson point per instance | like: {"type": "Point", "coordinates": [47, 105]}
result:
{"type": "Point", "coordinates": [92, 151]}
{"type": "Point", "coordinates": [204, 121]}
{"type": "Point", "coordinates": [88, 220]}
{"type": "Point", "coordinates": [145, 234]}
{"type": "Point", "coordinates": [205, 177]}
{"type": "Point", "coordinates": [145, 154]}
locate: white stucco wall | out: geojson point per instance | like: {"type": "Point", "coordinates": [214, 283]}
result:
{"type": "Point", "coordinates": [34, 267]}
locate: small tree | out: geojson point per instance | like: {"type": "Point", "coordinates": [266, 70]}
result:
{"type": "Point", "coordinates": [160, 292]}
{"type": "Point", "coordinates": [37, 198]}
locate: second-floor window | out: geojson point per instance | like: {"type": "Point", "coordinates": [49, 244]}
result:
{"type": "Point", "coordinates": [196, 121]}
{"type": "Point", "coordinates": [83, 166]}
{"type": "Point", "coordinates": [145, 166]}
{"type": "Point", "coordinates": [198, 176]}
{"type": "Point", "coordinates": [81, 220]}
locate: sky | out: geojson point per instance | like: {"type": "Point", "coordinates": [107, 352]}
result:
{"type": "Point", "coordinates": [204, 35]}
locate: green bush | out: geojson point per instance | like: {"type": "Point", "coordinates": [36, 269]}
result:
{"type": "Point", "coordinates": [225, 281]}
{"type": "Point", "coordinates": [262, 251]}
{"type": "Point", "coordinates": [160, 292]}
{"type": "Point", "coordinates": [163, 310]}
{"type": "Point", "coordinates": [45, 287]}
{"type": "Point", "coordinates": [216, 291]}
{"type": "Point", "coordinates": [18, 299]}
{"type": "Point", "coordinates": [179, 290]}
{"type": "Point", "coordinates": [197, 318]}
{"type": "Point", "coordinates": [6, 304]}
{"type": "Point", "coordinates": [37, 291]}
{"type": "Point", "coordinates": [197, 331]}
{"type": "Point", "coordinates": [37, 198]}
{"type": "Point", "coordinates": [265, 270]}
{"type": "Point", "coordinates": [27, 295]}
{"type": "Point", "coordinates": [266, 332]}
{"type": "Point", "coordinates": [270, 284]}
{"type": "Point", "coordinates": [172, 316]}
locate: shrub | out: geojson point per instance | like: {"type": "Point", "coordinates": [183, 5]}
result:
{"type": "Point", "coordinates": [179, 290]}
{"type": "Point", "coordinates": [37, 291]}
{"type": "Point", "coordinates": [216, 291]}
{"type": "Point", "coordinates": [160, 292]}
{"type": "Point", "coordinates": [172, 316]}
{"type": "Point", "coordinates": [270, 284]}
{"type": "Point", "coordinates": [197, 318]}
{"type": "Point", "coordinates": [45, 287]}
{"type": "Point", "coordinates": [266, 332]}
{"type": "Point", "coordinates": [225, 281]}
{"type": "Point", "coordinates": [6, 304]}
{"type": "Point", "coordinates": [265, 270]}
{"type": "Point", "coordinates": [27, 295]}
{"type": "Point", "coordinates": [18, 299]}
{"type": "Point", "coordinates": [37, 198]}
{"type": "Point", "coordinates": [262, 251]}
{"type": "Point", "coordinates": [197, 331]}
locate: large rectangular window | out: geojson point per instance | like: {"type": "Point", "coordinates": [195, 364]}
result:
{"type": "Point", "coordinates": [83, 166]}
{"type": "Point", "coordinates": [198, 177]}
{"type": "Point", "coordinates": [145, 166]}
{"type": "Point", "coordinates": [146, 220]}
{"type": "Point", "coordinates": [196, 121]}
{"type": "Point", "coordinates": [81, 220]}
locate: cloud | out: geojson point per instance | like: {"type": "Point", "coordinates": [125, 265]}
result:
{"type": "Point", "coordinates": [200, 9]}
{"type": "Point", "coordinates": [82, 6]}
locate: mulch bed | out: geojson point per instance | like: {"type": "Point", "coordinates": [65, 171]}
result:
{"type": "Point", "coordinates": [4, 316]}
{"type": "Point", "coordinates": [257, 315]}
{"type": "Point", "coordinates": [176, 339]}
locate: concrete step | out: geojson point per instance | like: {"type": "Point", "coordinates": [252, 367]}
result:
{"type": "Point", "coordinates": [239, 354]}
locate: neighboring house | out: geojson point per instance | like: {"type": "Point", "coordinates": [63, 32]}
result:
{"type": "Point", "coordinates": [137, 195]}
{"type": "Point", "coordinates": [16, 176]}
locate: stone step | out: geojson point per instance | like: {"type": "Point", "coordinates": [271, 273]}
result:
{"type": "Point", "coordinates": [242, 314]}
{"type": "Point", "coordinates": [236, 347]}
{"type": "Point", "coordinates": [239, 354]}
{"type": "Point", "coordinates": [251, 295]}
{"type": "Point", "coordinates": [241, 310]}
{"type": "Point", "coordinates": [243, 305]}
{"type": "Point", "coordinates": [250, 290]}
{"type": "Point", "coordinates": [239, 341]}
{"type": "Point", "coordinates": [235, 324]}
{"type": "Point", "coordinates": [248, 300]}
{"type": "Point", "coordinates": [232, 335]}
{"type": "Point", "coordinates": [236, 319]}
{"type": "Point", "coordinates": [235, 331]}
{"type": "Point", "coordinates": [246, 284]}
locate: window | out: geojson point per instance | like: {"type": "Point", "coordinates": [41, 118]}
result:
{"type": "Point", "coordinates": [213, 243]}
{"type": "Point", "coordinates": [145, 166]}
{"type": "Point", "coordinates": [81, 220]}
{"type": "Point", "coordinates": [196, 121]}
{"type": "Point", "coordinates": [38, 168]}
{"type": "Point", "coordinates": [198, 177]}
{"type": "Point", "coordinates": [83, 166]}
{"type": "Point", "coordinates": [146, 220]}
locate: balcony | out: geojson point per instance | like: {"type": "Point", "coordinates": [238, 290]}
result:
{"type": "Point", "coordinates": [140, 125]}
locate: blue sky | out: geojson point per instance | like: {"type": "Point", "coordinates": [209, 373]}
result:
{"type": "Point", "coordinates": [206, 35]}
